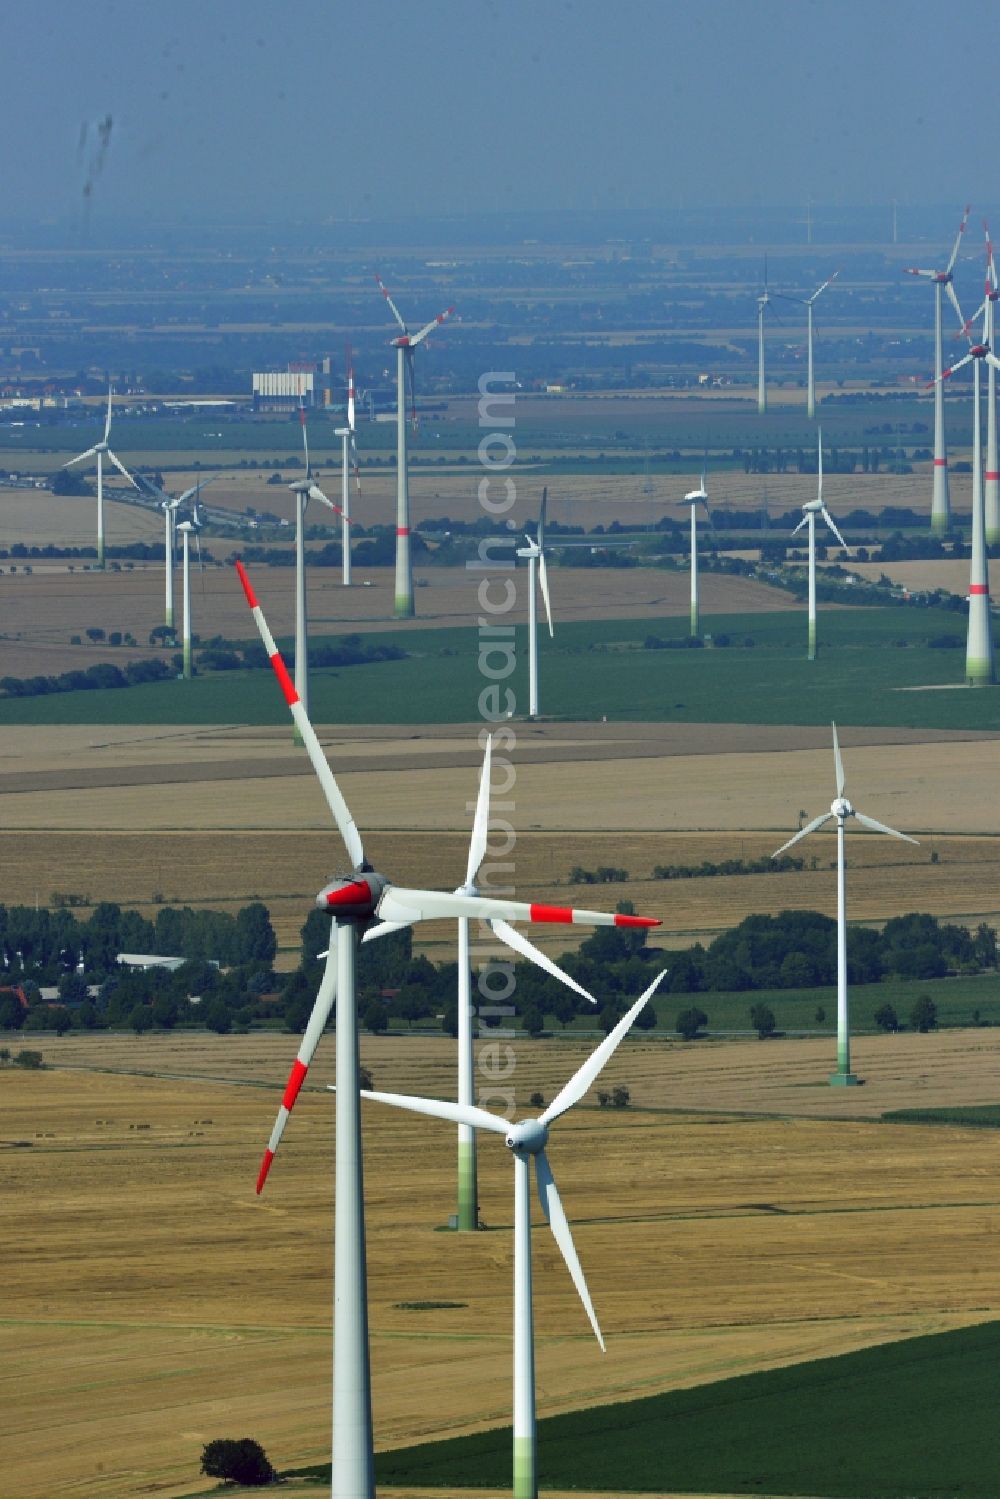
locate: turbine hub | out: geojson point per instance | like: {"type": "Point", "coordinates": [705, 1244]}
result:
{"type": "Point", "coordinates": [352, 897]}
{"type": "Point", "coordinates": [841, 808]}
{"type": "Point", "coordinates": [527, 1138]}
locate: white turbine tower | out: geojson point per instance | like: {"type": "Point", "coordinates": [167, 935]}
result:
{"type": "Point", "coordinates": [98, 451]}
{"type": "Point", "coordinates": [304, 490]}
{"type": "Point", "coordinates": [187, 528]}
{"type": "Point", "coordinates": [694, 498]}
{"type": "Point", "coordinates": [404, 346]}
{"type": "Point", "coordinates": [979, 667]}
{"type": "Point", "coordinates": [525, 1141]}
{"type": "Point", "coordinates": [840, 810]}
{"type": "Point", "coordinates": [942, 281]}
{"type": "Point", "coordinates": [535, 553]}
{"type": "Point", "coordinates": [362, 905]}
{"type": "Point", "coordinates": [349, 458]}
{"type": "Point", "coordinates": [808, 303]}
{"type": "Point", "coordinates": [812, 508]}
{"type": "Point", "coordinates": [763, 302]}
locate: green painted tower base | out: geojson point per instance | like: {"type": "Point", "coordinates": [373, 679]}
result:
{"type": "Point", "coordinates": [404, 608]}
{"type": "Point", "coordinates": [844, 1080]}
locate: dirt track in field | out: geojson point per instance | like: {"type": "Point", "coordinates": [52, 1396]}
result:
{"type": "Point", "coordinates": [155, 1302]}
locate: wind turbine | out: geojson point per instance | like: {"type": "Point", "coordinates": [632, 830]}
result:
{"type": "Point", "coordinates": [188, 528]}
{"type": "Point", "coordinates": [170, 508]}
{"type": "Point", "coordinates": [812, 508]}
{"type": "Point", "coordinates": [991, 488]}
{"type": "Point", "coordinates": [979, 668]}
{"type": "Point", "coordinates": [362, 905]}
{"type": "Point", "coordinates": [304, 490]}
{"type": "Point", "coordinates": [535, 553]}
{"type": "Point", "coordinates": [807, 303]}
{"type": "Point", "coordinates": [468, 1192]}
{"type": "Point", "coordinates": [840, 810]}
{"type": "Point", "coordinates": [98, 450]}
{"type": "Point", "coordinates": [349, 456]}
{"type": "Point", "coordinates": [694, 498]}
{"type": "Point", "coordinates": [763, 302]}
{"type": "Point", "coordinates": [404, 346]}
{"type": "Point", "coordinates": [942, 281]}
{"type": "Point", "coordinates": [527, 1140]}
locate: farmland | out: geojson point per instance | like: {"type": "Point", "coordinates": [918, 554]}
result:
{"type": "Point", "coordinates": [756, 1243]}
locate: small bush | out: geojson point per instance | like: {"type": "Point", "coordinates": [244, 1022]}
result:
{"type": "Point", "coordinates": [923, 1016]}
{"type": "Point", "coordinates": [537, 1101]}
{"type": "Point", "coordinates": [33, 1060]}
{"type": "Point", "coordinates": [620, 1098]}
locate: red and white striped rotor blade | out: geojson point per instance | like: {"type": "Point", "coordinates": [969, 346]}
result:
{"type": "Point", "coordinates": [401, 904]}
{"type": "Point", "coordinates": [321, 1010]}
{"type": "Point", "coordinates": [958, 240]}
{"type": "Point", "coordinates": [829, 280]}
{"type": "Point", "coordinates": [442, 317]}
{"type": "Point", "coordinates": [947, 374]}
{"type": "Point", "coordinates": [392, 306]}
{"type": "Point", "coordinates": [320, 764]}
{"type": "Point", "coordinates": [911, 270]}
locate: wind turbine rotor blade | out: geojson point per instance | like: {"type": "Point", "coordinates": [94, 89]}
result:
{"type": "Point", "coordinates": [909, 270]}
{"type": "Point", "coordinates": [454, 1113]}
{"type": "Point", "coordinates": [354, 460]}
{"type": "Point", "coordinates": [953, 299]}
{"type": "Point", "coordinates": [803, 522]}
{"type": "Point", "coordinates": [828, 282]}
{"type": "Point", "coordinates": [321, 1009]}
{"type": "Point", "coordinates": [540, 533]}
{"type": "Point", "coordinates": [947, 374]}
{"type": "Point", "coordinates": [838, 762]}
{"type": "Point", "coordinates": [442, 317]}
{"type": "Point", "coordinates": [121, 468]}
{"type": "Point", "coordinates": [392, 306]}
{"type": "Point", "coordinates": [411, 382]}
{"type": "Point", "coordinates": [107, 419]}
{"type": "Point", "coordinates": [520, 943]}
{"type": "Point", "coordinates": [958, 241]}
{"type": "Point", "coordinates": [810, 827]}
{"type": "Point", "coordinates": [581, 1081]}
{"type": "Point", "coordinates": [90, 453]}
{"type": "Point", "coordinates": [320, 764]}
{"type": "Point", "coordinates": [556, 1218]}
{"type": "Point", "coordinates": [305, 438]}
{"type": "Point", "coordinates": [399, 903]}
{"type": "Point", "coordinates": [830, 522]}
{"type": "Point", "coordinates": [543, 583]}
{"type": "Point", "coordinates": [350, 391]}
{"type": "Point", "coordinates": [880, 827]}
{"type": "Point", "coordinates": [992, 359]}
{"type": "Point", "coordinates": [315, 493]}
{"type": "Point", "coordinates": [481, 822]}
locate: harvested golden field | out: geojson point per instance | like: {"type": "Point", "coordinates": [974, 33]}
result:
{"type": "Point", "coordinates": [155, 1303]}
{"type": "Point", "coordinates": [40, 612]}
{"type": "Point", "coordinates": [917, 576]}
{"type": "Point", "coordinates": [39, 518]}
{"type": "Point", "coordinates": [135, 815]}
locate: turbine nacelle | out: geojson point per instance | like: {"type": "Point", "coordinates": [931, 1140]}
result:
{"type": "Point", "coordinates": [527, 1138]}
{"type": "Point", "coordinates": [352, 897]}
{"type": "Point", "coordinates": [841, 808]}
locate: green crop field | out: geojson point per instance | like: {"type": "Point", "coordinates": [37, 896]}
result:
{"type": "Point", "coordinates": [599, 669]}
{"type": "Point", "coordinates": [908, 1420]}
{"type": "Point", "coordinates": [973, 1116]}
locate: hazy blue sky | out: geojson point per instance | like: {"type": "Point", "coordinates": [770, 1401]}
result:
{"type": "Point", "coordinates": [321, 108]}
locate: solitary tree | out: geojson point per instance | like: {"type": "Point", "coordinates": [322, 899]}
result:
{"type": "Point", "coordinates": [762, 1020]}
{"type": "Point", "coordinates": [886, 1018]}
{"type": "Point", "coordinates": [923, 1016]}
{"type": "Point", "coordinates": [690, 1022]}
{"type": "Point", "coordinates": [243, 1461]}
